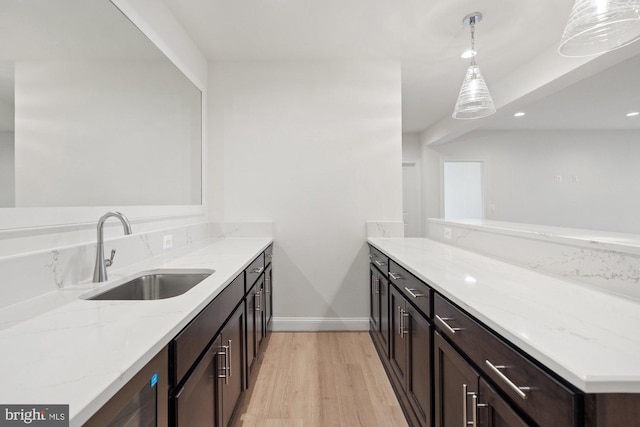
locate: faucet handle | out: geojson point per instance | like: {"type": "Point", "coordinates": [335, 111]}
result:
{"type": "Point", "coordinates": [109, 261]}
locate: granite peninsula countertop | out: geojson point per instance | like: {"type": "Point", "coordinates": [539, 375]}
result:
{"type": "Point", "coordinates": [82, 352]}
{"type": "Point", "coordinates": [587, 336]}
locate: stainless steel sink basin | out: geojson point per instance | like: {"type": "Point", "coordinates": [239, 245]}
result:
{"type": "Point", "coordinates": [154, 285]}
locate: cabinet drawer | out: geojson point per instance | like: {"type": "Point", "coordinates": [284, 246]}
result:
{"type": "Point", "coordinates": [379, 259]}
{"type": "Point", "coordinates": [411, 287]}
{"type": "Point", "coordinates": [254, 271]}
{"type": "Point", "coordinates": [268, 255]}
{"type": "Point", "coordinates": [542, 397]}
{"type": "Point", "coordinates": [187, 346]}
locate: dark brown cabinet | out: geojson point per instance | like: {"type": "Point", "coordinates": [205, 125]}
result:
{"type": "Point", "coordinates": [527, 387]}
{"type": "Point", "coordinates": [268, 299]}
{"type": "Point", "coordinates": [463, 397]}
{"type": "Point", "coordinates": [195, 402]}
{"type": "Point", "coordinates": [200, 377]}
{"type": "Point", "coordinates": [418, 386]}
{"type": "Point", "coordinates": [494, 411]}
{"type": "Point", "coordinates": [455, 385]}
{"type": "Point", "coordinates": [208, 396]}
{"type": "Point", "coordinates": [141, 402]}
{"type": "Point", "coordinates": [410, 355]}
{"type": "Point", "coordinates": [398, 343]}
{"type": "Point", "coordinates": [231, 381]}
{"type": "Point", "coordinates": [255, 323]}
{"type": "Point", "coordinates": [402, 332]}
{"type": "Point", "coordinates": [449, 369]}
{"type": "Point", "coordinates": [379, 307]}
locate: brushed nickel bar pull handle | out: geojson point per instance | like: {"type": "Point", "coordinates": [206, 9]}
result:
{"type": "Point", "coordinates": [395, 276]}
{"type": "Point", "coordinates": [257, 270]}
{"type": "Point", "coordinates": [411, 292]}
{"type": "Point", "coordinates": [474, 410]}
{"type": "Point", "coordinates": [449, 328]}
{"type": "Point", "coordinates": [257, 296]}
{"type": "Point", "coordinates": [400, 321]}
{"type": "Point", "coordinates": [464, 405]}
{"type": "Point", "coordinates": [519, 390]}
{"type": "Point", "coordinates": [229, 359]}
{"type": "Point", "coordinates": [380, 263]}
{"type": "Point", "coordinates": [267, 285]}
{"type": "Point", "coordinates": [405, 316]}
{"type": "Point", "coordinates": [223, 369]}
{"type": "Point", "coordinates": [465, 415]}
{"type": "Point", "coordinates": [372, 256]}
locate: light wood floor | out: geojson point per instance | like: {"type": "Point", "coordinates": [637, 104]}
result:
{"type": "Point", "coordinates": [321, 379]}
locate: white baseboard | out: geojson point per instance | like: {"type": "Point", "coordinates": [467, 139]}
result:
{"type": "Point", "coordinates": [313, 324]}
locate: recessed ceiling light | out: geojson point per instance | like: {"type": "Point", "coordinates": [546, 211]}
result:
{"type": "Point", "coordinates": [469, 53]}
{"type": "Point", "coordinates": [633, 113]}
{"type": "Point", "coordinates": [519, 114]}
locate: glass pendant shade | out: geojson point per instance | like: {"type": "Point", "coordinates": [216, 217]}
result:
{"type": "Point", "coordinates": [474, 100]}
{"type": "Point", "coordinates": [598, 26]}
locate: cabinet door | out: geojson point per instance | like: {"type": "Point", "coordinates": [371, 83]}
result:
{"type": "Point", "coordinates": [398, 345]}
{"type": "Point", "coordinates": [494, 411]}
{"type": "Point", "coordinates": [251, 330]}
{"type": "Point", "coordinates": [268, 298]}
{"type": "Point", "coordinates": [374, 299]}
{"type": "Point", "coordinates": [259, 315]}
{"type": "Point", "coordinates": [195, 403]}
{"type": "Point", "coordinates": [418, 385]}
{"type": "Point", "coordinates": [456, 383]}
{"type": "Point", "coordinates": [383, 294]}
{"type": "Point", "coordinates": [232, 384]}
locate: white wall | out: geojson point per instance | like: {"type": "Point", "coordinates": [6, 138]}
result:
{"type": "Point", "coordinates": [522, 169]}
{"type": "Point", "coordinates": [410, 147]}
{"type": "Point", "coordinates": [315, 147]}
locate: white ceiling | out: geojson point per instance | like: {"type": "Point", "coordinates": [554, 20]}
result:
{"type": "Point", "coordinates": [426, 35]}
{"type": "Point", "coordinates": [599, 102]}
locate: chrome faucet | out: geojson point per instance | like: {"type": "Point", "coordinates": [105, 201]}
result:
{"type": "Point", "coordinates": [100, 271]}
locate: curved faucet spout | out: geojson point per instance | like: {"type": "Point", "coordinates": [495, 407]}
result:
{"type": "Point", "coordinates": [100, 270]}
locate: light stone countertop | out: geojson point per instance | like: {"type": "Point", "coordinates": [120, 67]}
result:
{"type": "Point", "coordinates": [82, 352]}
{"type": "Point", "coordinates": [587, 336]}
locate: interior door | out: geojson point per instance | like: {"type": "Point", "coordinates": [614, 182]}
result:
{"type": "Point", "coordinates": [411, 200]}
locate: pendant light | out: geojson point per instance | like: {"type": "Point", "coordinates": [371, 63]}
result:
{"type": "Point", "coordinates": [474, 100]}
{"type": "Point", "coordinates": [598, 26]}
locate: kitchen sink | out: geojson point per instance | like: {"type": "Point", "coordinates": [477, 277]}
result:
{"type": "Point", "coordinates": [154, 285]}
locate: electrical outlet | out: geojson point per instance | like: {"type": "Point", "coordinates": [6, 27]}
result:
{"type": "Point", "coordinates": [167, 241]}
{"type": "Point", "coordinates": [447, 233]}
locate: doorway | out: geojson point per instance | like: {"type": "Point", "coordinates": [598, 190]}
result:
{"type": "Point", "coordinates": [462, 189]}
{"type": "Point", "coordinates": [411, 199]}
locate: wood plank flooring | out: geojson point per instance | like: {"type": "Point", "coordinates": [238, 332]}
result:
{"type": "Point", "coordinates": [321, 379]}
